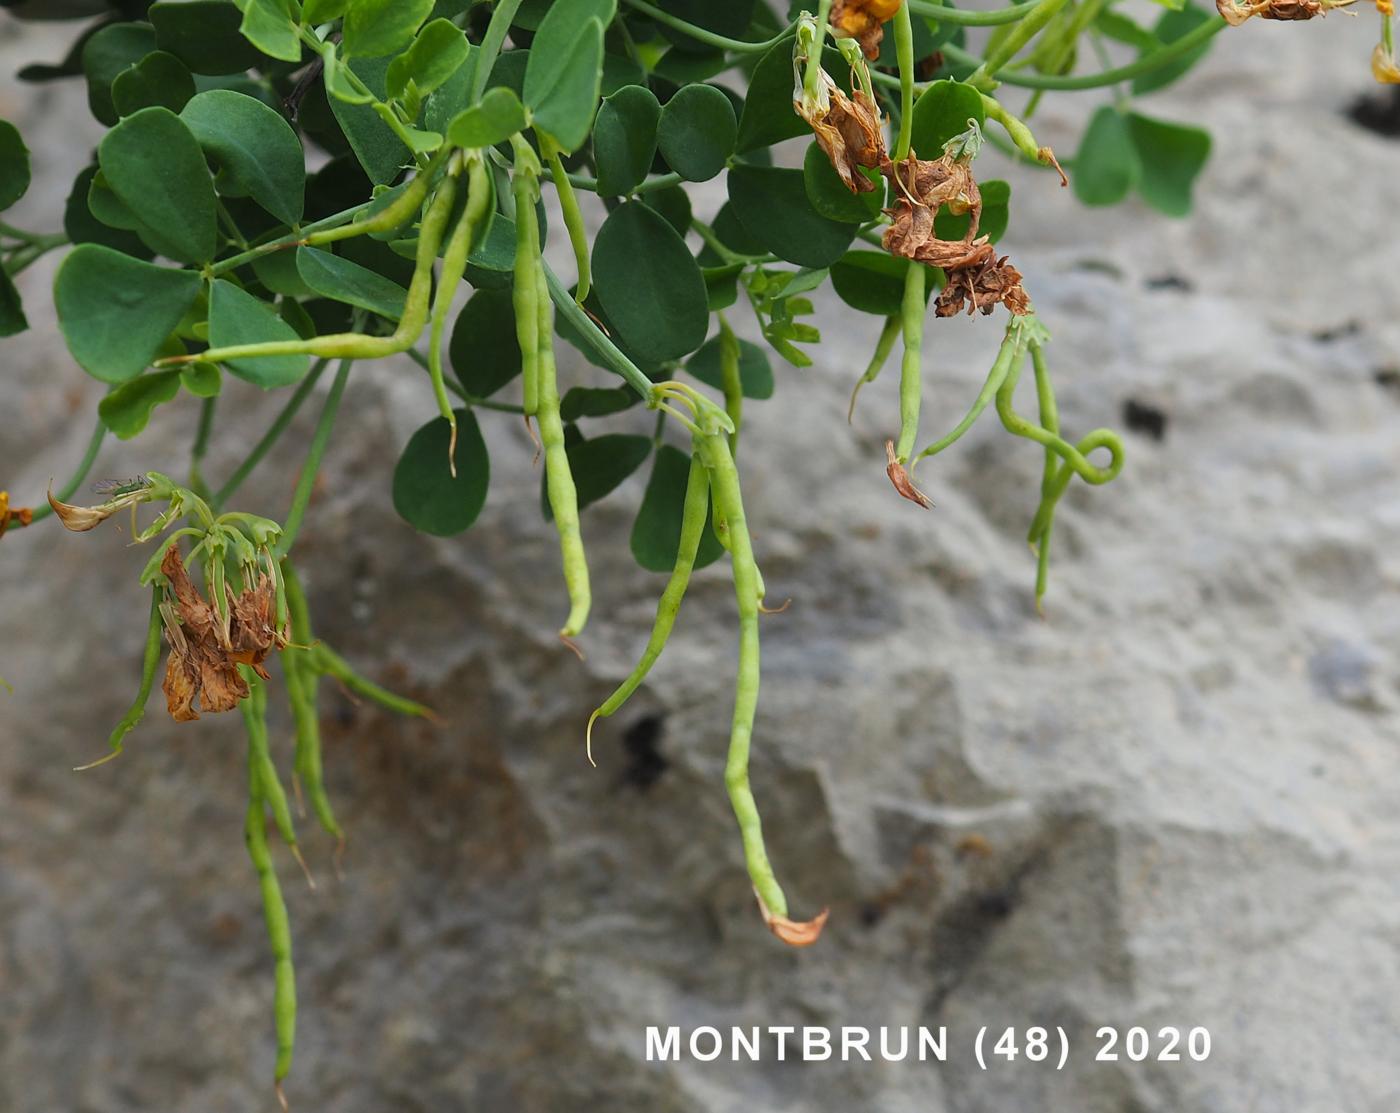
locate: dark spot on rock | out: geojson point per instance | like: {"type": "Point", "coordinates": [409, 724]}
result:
{"type": "Point", "coordinates": [645, 762]}
{"type": "Point", "coordinates": [1170, 282]}
{"type": "Point", "coordinates": [1378, 112]}
{"type": "Point", "coordinates": [996, 905]}
{"type": "Point", "coordinates": [1337, 332]}
{"type": "Point", "coordinates": [871, 913]}
{"type": "Point", "coordinates": [1388, 377]}
{"type": "Point", "coordinates": [1143, 417]}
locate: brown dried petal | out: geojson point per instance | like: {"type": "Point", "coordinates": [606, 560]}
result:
{"type": "Point", "coordinates": [197, 616]}
{"type": "Point", "coordinates": [903, 484]}
{"type": "Point", "coordinates": [795, 933]}
{"type": "Point", "coordinates": [181, 685]}
{"type": "Point", "coordinates": [79, 519]}
{"type": "Point", "coordinates": [220, 685]}
{"type": "Point", "coordinates": [983, 287]}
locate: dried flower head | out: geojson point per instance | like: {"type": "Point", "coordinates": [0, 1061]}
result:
{"type": "Point", "coordinates": [207, 648]}
{"type": "Point", "coordinates": [863, 20]}
{"type": "Point", "coordinates": [849, 131]}
{"type": "Point", "coordinates": [1236, 12]}
{"type": "Point", "coordinates": [900, 478]}
{"type": "Point", "coordinates": [982, 286]}
{"type": "Point", "coordinates": [80, 519]}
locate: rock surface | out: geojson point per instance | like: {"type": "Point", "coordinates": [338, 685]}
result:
{"type": "Point", "coordinates": [1172, 803]}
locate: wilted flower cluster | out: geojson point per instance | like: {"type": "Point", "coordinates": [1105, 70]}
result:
{"type": "Point", "coordinates": [850, 132]}
{"type": "Point", "coordinates": [863, 20]}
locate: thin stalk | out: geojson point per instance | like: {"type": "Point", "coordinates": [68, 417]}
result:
{"type": "Point", "coordinates": [904, 53]}
{"type": "Point", "coordinates": [709, 38]}
{"type": "Point", "coordinates": [278, 427]}
{"type": "Point", "coordinates": [307, 481]}
{"type": "Point", "coordinates": [1041, 13]}
{"type": "Point", "coordinates": [962, 18]}
{"type": "Point", "coordinates": [602, 345]}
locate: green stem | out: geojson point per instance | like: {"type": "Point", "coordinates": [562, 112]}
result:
{"type": "Point", "coordinates": [201, 445]}
{"type": "Point", "coordinates": [470, 400]}
{"type": "Point", "coordinates": [904, 53]}
{"type": "Point", "coordinates": [1011, 351]}
{"type": "Point", "coordinates": [491, 44]}
{"type": "Point", "coordinates": [330, 663]}
{"type": "Point", "coordinates": [811, 80]}
{"type": "Point", "coordinates": [606, 350]}
{"type": "Point", "coordinates": [319, 440]}
{"type": "Point", "coordinates": [963, 18]}
{"type": "Point", "coordinates": [1041, 13]}
{"type": "Point", "coordinates": [590, 185]}
{"type": "Point", "coordinates": [1050, 422]}
{"type": "Point", "coordinates": [911, 380]}
{"type": "Point", "coordinates": [76, 479]}
{"type": "Point", "coordinates": [573, 220]}
{"type": "Point", "coordinates": [883, 346]}
{"type": "Point", "coordinates": [278, 427]}
{"type": "Point", "coordinates": [729, 357]}
{"type": "Point", "coordinates": [709, 38]}
{"type": "Point", "coordinates": [1188, 42]}
{"type": "Point", "coordinates": [150, 659]}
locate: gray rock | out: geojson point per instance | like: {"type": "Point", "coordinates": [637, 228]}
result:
{"type": "Point", "coordinates": [1161, 807]}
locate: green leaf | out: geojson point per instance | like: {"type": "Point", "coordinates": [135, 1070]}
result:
{"type": "Point", "coordinates": [941, 113]}
{"type": "Point", "coordinates": [204, 35]}
{"type": "Point", "coordinates": [829, 195]}
{"type": "Point", "coordinates": [256, 149]}
{"type": "Point", "coordinates": [1172, 26]}
{"type": "Point", "coordinates": [452, 97]}
{"type": "Point", "coordinates": [484, 351]}
{"type": "Point", "coordinates": [268, 26]}
{"type": "Point", "coordinates": [158, 79]}
{"type": "Point", "coordinates": [873, 281]}
{"type": "Point", "coordinates": [376, 146]}
{"type": "Point", "coordinates": [649, 284]}
{"type": "Point", "coordinates": [493, 119]}
{"type": "Point", "coordinates": [996, 211]}
{"type": "Point", "coordinates": [374, 28]}
{"type": "Point", "coordinates": [108, 52]}
{"type": "Point", "coordinates": [564, 73]}
{"type": "Point", "coordinates": [1171, 156]}
{"type": "Point", "coordinates": [755, 372]}
{"type": "Point", "coordinates": [203, 380]}
{"type": "Point", "coordinates": [1106, 166]}
{"type": "Point", "coordinates": [14, 165]}
{"type": "Point", "coordinates": [425, 493]}
{"type": "Point", "coordinates": [127, 410]}
{"type": "Point", "coordinates": [674, 204]}
{"type": "Point", "coordinates": [599, 465]}
{"type": "Point", "coordinates": [236, 317]}
{"type": "Point", "coordinates": [314, 12]}
{"type": "Point", "coordinates": [597, 401]}
{"type": "Point", "coordinates": [82, 226]}
{"type": "Point", "coordinates": [1115, 25]}
{"type": "Point", "coordinates": [697, 133]}
{"type": "Point", "coordinates": [12, 319]}
{"type": "Point", "coordinates": [496, 250]}
{"type": "Point", "coordinates": [155, 167]}
{"type": "Point", "coordinates": [116, 311]}
{"type": "Point", "coordinates": [624, 139]}
{"type": "Point", "coordinates": [436, 54]}
{"type": "Point", "coordinates": [334, 277]}
{"type": "Point", "coordinates": [773, 207]}
{"type": "Point", "coordinates": [768, 117]}
{"type": "Point", "coordinates": [656, 534]}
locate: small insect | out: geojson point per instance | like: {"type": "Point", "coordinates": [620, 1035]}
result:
{"type": "Point", "coordinates": [115, 488]}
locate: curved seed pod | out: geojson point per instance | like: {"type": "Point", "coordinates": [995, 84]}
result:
{"type": "Point", "coordinates": [733, 384]}
{"type": "Point", "coordinates": [559, 479]}
{"type": "Point", "coordinates": [724, 481]}
{"type": "Point", "coordinates": [398, 212]}
{"type": "Point", "coordinates": [279, 932]}
{"type": "Point", "coordinates": [1050, 422]}
{"type": "Point", "coordinates": [303, 680]}
{"type": "Point", "coordinates": [573, 219]}
{"type": "Point", "coordinates": [910, 387]}
{"type": "Point", "coordinates": [525, 289]}
{"type": "Point", "coordinates": [694, 516]}
{"type": "Point", "coordinates": [454, 265]}
{"type": "Point", "coordinates": [1012, 350]}
{"type": "Point", "coordinates": [327, 662]}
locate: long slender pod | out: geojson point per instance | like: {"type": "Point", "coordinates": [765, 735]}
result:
{"type": "Point", "coordinates": [328, 662]}
{"type": "Point", "coordinates": [724, 481]}
{"type": "Point", "coordinates": [1012, 349]}
{"type": "Point", "coordinates": [525, 287]}
{"type": "Point", "coordinates": [911, 380]}
{"type": "Point", "coordinates": [279, 932]}
{"type": "Point", "coordinates": [694, 516]}
{"type": "Point", "coordinates": [399, 211]}
{"type": "Point", "coordinates": [573, 219]}
{"type": "Point", "coordinates": [1050, 422]}
{"type": "Point", "coordinates": [454, 265]}
{"type": "Point", "coordinates": [883, 346]}
{"type": "Point", "coordinates": [559, 479]}
{"type": "Point", "coordinates": [303, 682]}
{"type": "Point", "coordinates": [254, 710]}
{"type": "Point", "coordinates": [729, 356]}
{"type": "Point", "coordinates": [150, 660]}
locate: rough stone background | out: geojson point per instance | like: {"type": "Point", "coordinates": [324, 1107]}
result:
{"type": "Point", "coordinates": [1172, 803]}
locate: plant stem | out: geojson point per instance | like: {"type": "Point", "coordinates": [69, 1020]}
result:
{"type": "Point", "coordinates": [709, 38]}
{"type": "Point", "coordinates": [590, 185]}
{"type": "Point", "coordinates": [958, 16]}
{"type": "Point", "coordinates": [490, 46]}
{"type": "Point", "coordinates": [309, 470]}
{"type": "Point", "coordinates": [904, 52]}
{"type": "Point", "coordinates": [1042, 12]}
{"type": "Point", "coordinates": [201, 445]}
{"type": "Point", "coordinates": [278, 427]}
{"type": "Point", "coordinates": [605, 348]}
{"type": "Point", "coordinates": [1146, 64]}
{"type": "Point", "coordinates": [75, 480]}
{"type": "Point", "coordinates": [470, 400]}
{"type": "Point", "coordinates": [814, 66]}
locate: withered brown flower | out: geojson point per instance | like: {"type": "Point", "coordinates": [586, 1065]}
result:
{"type": "Point", "coordinates": [863, 20]}
{"type": "Point", "coordinates": [982, 285]}
{"type": "Point", "coordinates": [1236, 12]}
{"type": "Point", "coordinates": [900, 478]}
{"type": "Point", "coordinates": [205, 652]}
{"type": "Point", "coordinates": [848, 130]}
